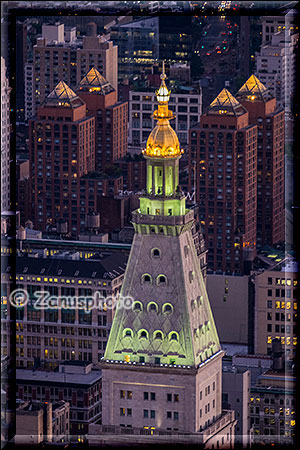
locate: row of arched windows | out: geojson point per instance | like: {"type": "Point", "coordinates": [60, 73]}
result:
{"type": "Point", "coordinates": [160, 279]}
{"type": "Point", "coordinates": [138, 306]}
{"type": "Point", "coordinates": [144, 334]}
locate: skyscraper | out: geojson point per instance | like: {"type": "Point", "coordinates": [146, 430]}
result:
{"type": "Point", "coordinates": [162, 366]}
{"type": "Point", "coordinates": [62, 149]}
{"type": "Point", "coordinates": [111, 117]}
{"type": "Point", "coordinates": [5, 139]}
{"type": "Point", "coordinates": [263, 112]}
{"type": "Point", "coordinates": [222, 167]}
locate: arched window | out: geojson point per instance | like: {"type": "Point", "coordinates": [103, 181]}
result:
{"type": "Point", "coordinates": [158, 335]}
{"type": "Point", "coordinates": [152, 307]}
{"type": "Point", "coordinates": [173, 336]}
{"type": "Point", "coordinates": [168, 308]}
{"type": "Point", "coordinates": [137, 306]}
{"type": "Point", "coordinates": [155, 252]}
{"type": "Point", "coordinates": [127, 332]}
{"type": "Point", "coordinates": [143, 334]}
{"type": "Point", "coordinates": [161, 279]}
{"type": "Point", "coordinates": [193, 305]}
{"type": "Point", "coordinates": [146, 278]}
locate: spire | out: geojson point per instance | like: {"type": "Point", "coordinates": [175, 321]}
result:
{"type": "Point", "coordinates": [163, 141]}
{"type": "Point", "coordinates": [254, 90]}
{"type": "Point", "coordinates": [226, 103]}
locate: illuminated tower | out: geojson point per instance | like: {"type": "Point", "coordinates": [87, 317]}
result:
{"type": "Point", "coordinates": [161, 371]}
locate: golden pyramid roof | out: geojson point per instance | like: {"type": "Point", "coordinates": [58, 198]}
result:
{"type": "Point", "coordinates": [163, 141]}
{"type": "Point", "coordinates": [62, 95]}
{"type": "Point", "coordinates": [254, 89]}
{"type": "Point", "coordinates": [95, 82]}
{"type": "Point", "coordinates": [225, 103]}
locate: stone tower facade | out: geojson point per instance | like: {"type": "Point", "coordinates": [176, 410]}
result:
{"type": "Point", "coordinates": [161, 372]}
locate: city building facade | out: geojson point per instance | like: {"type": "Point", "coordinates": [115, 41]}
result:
{"type": "Point", "coordinates": [111, 118]}
{"type": "Point", "coordinates": [272, 408]}
{"type": "Point", "coordinates": [59, 56]}
{"type": "Point", "coordinates": [263, 112]}
{"type": "Point", "coordinates": [46, 336]}
{"type": "Point", "coordinates": [276, 66]}
{"type": "Point", "coordinates": [62, 149]}
{"type": "Point", "coordinates": [5, 139]}
{"type": "Point", "coordinates": [222, 168]}
{"type": "Point", "coordinates": [235, 395]}
{"type": "Point", "coordinates": [275, 307]}
{"type": "Point", "coordinates": [77, 383]}
{"type": "Point", "coordinates": [164, 350]}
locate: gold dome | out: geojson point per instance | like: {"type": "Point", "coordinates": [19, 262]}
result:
{"type": "Point", "coordinates": [163, 141]}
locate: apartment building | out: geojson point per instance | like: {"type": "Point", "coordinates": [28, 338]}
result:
{"type": "Point", "coordinates": [59, 55]}
{"type": "Point", "coordinates": [275, 310]}
{"type": "Point", "coordinates": [44, 337]}
{"type": "Point", "coordinates": [76, 382]}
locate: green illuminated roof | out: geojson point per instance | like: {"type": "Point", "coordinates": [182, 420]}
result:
{"type": "Point", "coordinates": [62, 95]}
{"type": "Point", "coordinates": [95, 82]}
{"type": "Point", "coordinates": [226, 104]}
{"type": "Point", "coordinates": [178, 309]}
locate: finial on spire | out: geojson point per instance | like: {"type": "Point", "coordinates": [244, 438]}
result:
{"type": "Point", "coordinates": [163, 76]}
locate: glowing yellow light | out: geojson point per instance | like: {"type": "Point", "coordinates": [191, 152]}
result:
{"type": "Point", "coordinates": [127, 358]}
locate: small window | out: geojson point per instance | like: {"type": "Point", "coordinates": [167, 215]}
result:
{"type": "Point", "coordinates": [167, 308]}
{"type": "Point", "coordinates": [161, 279]}
{"type": "Point", "coordinates": [143, 334]}
{"type": "Point", "coordinates": [146, 278]}
{"type": "Point", "coordinates": [158, 335]}
{"type": "Point", "coordinates": [137, 306]}
{"type": "Point", "coordinates": [152, 307]}
{"type": "Point", "coordinates": [128, 333]}
{"type": "Point", "coordinates": [155, 253]}
{"type": "Point", "coordinates": [173, 336]}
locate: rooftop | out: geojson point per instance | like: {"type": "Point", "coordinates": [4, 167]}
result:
{"type": "Point", "coordinates": [225, 103]}
{"type": "Point", "coordinates": [254, 90]}
{"type": "Point", "coordinates": [109, 267]}
{"type": "Point", "coordinates": [95, 82]}
{"type": "Point", "coordinates": [40, 377]}
{"type": "Point", "coordinates": [63, 96]}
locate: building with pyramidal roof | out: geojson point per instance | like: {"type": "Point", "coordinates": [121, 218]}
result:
{"type": "Point", "coordinates": [62, 149]}
{"type": "Point", "coordinates": [222, 167]}
{"type": "Point", "coordinates": [111, 118]}
{"type": "Point", "coordinates": [269, 118]}
{"type": "Point", "coordinates": [161, 372]}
